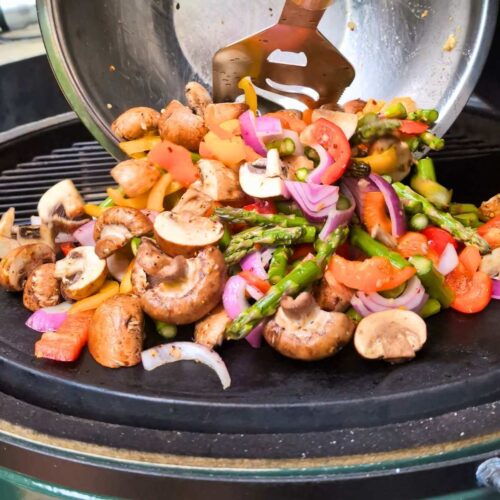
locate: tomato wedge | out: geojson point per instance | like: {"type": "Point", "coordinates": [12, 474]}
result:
{"type": "Point", "coordinates": [410, 127]}
{"type": "Point", "coordinates": [176, 160]}
{"type": "Point", "coordinates": [472, 287]}
{"type": "Point", "coordinates": [289, 120]}
{"type": "Point", "coordinates": [412, 243]}
{"type": "Point", "coordinates": [371, 275]}
{"type": "Point", "coordinates": [258, 283]}
{"type": "Point", "coordinates": [68, 341]}
{"type": "Point", "coordinates": [262, 207]}
{"type": "Point", "coordinates": [333, 139]}
{"type": "Point", "coordinates": [491, 232]}
{"type": "Point", "coordinates": [438, 239]}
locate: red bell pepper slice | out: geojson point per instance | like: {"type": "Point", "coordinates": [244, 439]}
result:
{"type": "Point", "coordinates": [438, 239]}
{"type": "Point", "coordinates": [258, 283]}
{"type": "Point", "coordinates": [411, 127]}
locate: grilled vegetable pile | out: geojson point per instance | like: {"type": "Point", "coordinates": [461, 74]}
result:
{"type": "Point", "coordinates": [295, 227]}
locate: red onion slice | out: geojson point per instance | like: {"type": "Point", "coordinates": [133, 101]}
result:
{"type": "Point", "coordinates": [325, 160]}
{"type": "Point", "coordinates": [85, 234]}
{"type": "Point", "coordinates": [248, 131]}
{"type": "Point", "coordinates": [253, 263]}
{"type": "Point", "coordinates": [337, 218]}
{"type": "Point", "coordinates": [255, 293]}
{"type": "Point", "coordinates": [186, 351]}
{"type": "Point", "coordinates": [448, 260]}
{"type": "Point", "coordinates": [48, 319]}
{"type": "Point", "coordinates": [394, 207]}
{"type": "Point", "coordinates": [290, 134]}
{"type": "Point", "coordinates": [314, 200]}
{"type": "Point", "coordinates": [358, 188]}
{"type": "Point", "coordinates": [495, 291]}
{"type": "Point", "coordinates": [268, 128]}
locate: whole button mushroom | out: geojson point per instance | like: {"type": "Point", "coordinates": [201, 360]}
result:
{"type": "Point", "coordinates": [135, 123]}
{"type": "Point", "coordinates": [135, 177]}
{"type": "Point", "coordinates": [116, 227]}
{"type": "Point", "coordinates": [301, 330]}
{"type": "Point", "coordinates": [117, 332]}
{"type": "Point", "coordinates": [81, 272]}
{"type": "Point", "coordinates": [19, 262]}
{"type": "Point", "coordinates": [394, 335]}
{"type": "Point", "coordinates": [42, 288]}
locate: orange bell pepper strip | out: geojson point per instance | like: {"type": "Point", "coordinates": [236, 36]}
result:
{"type": "Point", "coordinates": [126, 283]}
{"type": "Point", "coordinates": [138, 202]}
{"type": "Point", "coordinates": [108, 290]}
{"type": "Point", "coordinates": [94, 210]}
{"type": "Point", "coordinates": [158, 193]}
{"type": "Point", "coordinates": [374, 212]}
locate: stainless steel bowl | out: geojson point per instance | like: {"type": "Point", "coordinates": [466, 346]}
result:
{"type": "Point", "coordinates": [111, 55]}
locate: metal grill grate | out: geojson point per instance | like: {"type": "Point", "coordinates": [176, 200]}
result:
{"type": "Point", "coordinates": [86, 163]}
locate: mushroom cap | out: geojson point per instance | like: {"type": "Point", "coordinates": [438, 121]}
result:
{"type": "Point", "coordinates": [220, 182]}
{"type": "Point", "coordinates": [197, 97]}
{"type": "Point", "coordinates": [189, 299]}
{"type": "Point", "coordinates": [82, 273]}
{"type": "Point", "coordinates": [305, 331]}
{"type": "Point", "coordinates": [135, 123]}
{"type": "Point", "coordinates": [394, 335]}
{"type": "Point", "coordinates": [195, 201]}
{"type": "Point", "coordinates": [185, 233]}
{"type": "Point", "coordinates": [116, 333]}
{"type": "Point", "coordinates": [19, 262]}
{"type": "Point", "coordinates": [136, 176]}
{"type": "Point", "coordinates": [42, 288]}
{"type": "Point", "coordinates": [209, 331]}
{"type": "Point", "coordinates": [181, 126]}
{"type": "Point", "coordinates": [116, 227]}
{"type": "Point", "coordinates": [332, 295]}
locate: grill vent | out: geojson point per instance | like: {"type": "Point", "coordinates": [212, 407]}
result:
{"type": "Point", "coordinates": [86, 163]}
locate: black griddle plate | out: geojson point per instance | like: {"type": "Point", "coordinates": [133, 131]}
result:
{"type": "Point", "coordinates": [458, 367]}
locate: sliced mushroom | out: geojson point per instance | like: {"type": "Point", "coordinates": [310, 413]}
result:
{"type": "Point", "coordinates": [490, 264]}
{"type": "Point", "coordinates": [184, 233]}
{"type": "Point", "coordinates": [42, 288]}
{"type": "Point", "coordinates": [180, 125]}
{"type": "Point", "coordinates": [195, 201]}
{"type": "Point", "coordinates": [116, 333]}
{"type": "Point", "coordinates": [394, 335]}
{"type": "Point", "coordinates": [332, 295]}
{"type": "Point", "coordinates": [220, 182]}
{"type": "Point", "coordinates": [209, 331]}
{"type": "Point", "coordinates": [81, 272]}
{"type": "Point", "coordinates": [116, 227]}
{"type": "Point", "coordinates": [263, 178]}
{"type": "Point", "coordinates": [215, 114]}
{"type": "Point", "coordinates": [118, 262]}
{"type": "Point", "coordinates": [404, 156]}
{"type": "Point", "coordinates": [301, 330]}
{"type": "Point", "coordinates": [347, 122]}
{"type": "Point", "coordinates": [135, 123]}
{"type": "Point", "coordinates": [198, 97]}
{"type": "Point", "coordinates": [186, 295]}
{"type": "Point", "coordinates": [19, 262]}
{"type": "Point", "coordinates": [33, 234]}
{"type": "Point", "coordinates": [62, 199]}
{"type": "Point", "coordinates": [135, 177]}
{"type": "Point", "coordinates": [491, 207]}
{"type": "Point", "coordinates": [7, 243]}
{"type": "Point", "coordinates": [354, 106]}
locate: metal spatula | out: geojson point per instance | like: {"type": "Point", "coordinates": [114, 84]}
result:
{"type": "Point", "coordinates": [292, 59]}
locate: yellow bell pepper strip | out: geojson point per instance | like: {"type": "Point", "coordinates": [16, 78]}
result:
{"type": "Point", "coordinates": [382, 163]}
{"type": "Point", "coordinates": [173, 188]}
{"type": "Point", "coordinates": [108, 290]}
{"type": "Point", "coordinates": [246, 85]}
{"type": "Point", "coordinates": [158, 193]}
{"type": "Point", "coordinates": [138, 156]}
{"type": "Point", "coordinates": [126, 283]}
{"type": "Point", "coordinates": [93, 210]}
{"type": "Point", "coordinates": [138, 202]}
{"type": "Point", "coordinates": [139, 145]}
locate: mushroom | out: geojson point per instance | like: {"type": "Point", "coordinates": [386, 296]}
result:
{"type": "Point", "coordinates": [195, 201]}
{"type": "Point", "coordinates": [184, 233]}
{"type": "Point", "coordinates": [220, 182]}
{"type": "Point", "coordinates": [209, 331]}
{"type": "Point", "coordinates": [33, 234]}
{"type": "Point", "coordinates": [198, 98]}
{"type": "Point", "coordinates": [490, 264]}
{"type": "Point", "coordinates": [19, 262]}
{"type": "Point", "coordinates": [81, 272]}
{"type": "Point", "coordinates": [394, 335]}
{"type": "Point", "coordinates": [135, 123]}
{"type": "Point", "coordinates": [301, 330]}
{"type": "Point", "coordinates": [42, 288]}
{"type": "Point", "coordinates": [116, 333]}
{"type": "Point", "coordinates": [118, 262]}
{"type": "Point", "coordinates": [116, 227]}
{"type": "Point", "coordinates": [263, 178]}
{"type": "Point", "coordinates": [491, 207]}
{"type": "Point", "coordinates": [354, 106]}
{"type": "Point", "coordinates": [403, 154]}
{"type": "Point", "coordinates": [332, 295]}
{"type": "Point", "coordinates": [7, 243]}
{"type": "Point", "coordinates": [178, 290]}
{"type": "Point", "coordinates": [135, 177]}
{"type": "Point", "coordinates": [178, 124]}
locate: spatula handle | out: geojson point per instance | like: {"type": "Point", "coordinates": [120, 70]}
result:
{"type": "Point", "coordinates": [303, 13]}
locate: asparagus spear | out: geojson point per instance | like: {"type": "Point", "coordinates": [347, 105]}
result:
{"type": "Point", "coordinates": [418, 222]}
{"type": "Point", "coordinates": [292, 284]}
{"type": "Point", "coordinates": [425, 183]}
{"type": "Point", "coordinates": [278, 264]}
{"type": "Point", "coordinates": [284, 146]}
{"type": "Point", "coordinates": [376, 128]}
{"type": "Point", "coordinates": [433, 141]}
{"type": "Point", "coordinates": [396, 110]}
{"type": "Point", "coordinates": [431, 307]}
{"type": "Point", "coordinates": [428, 116]}
{"type": "Point", "coordinates": [241, 216]}
{"type": "Point", "coordinates": [241, 246]}
{"type": "Point", "coordinates": [442, 219]}
{"type": "Point", "coordinates": [374, 248]}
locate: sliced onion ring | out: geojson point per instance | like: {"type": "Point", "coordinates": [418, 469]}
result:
{"type": "Point", "coordinates": [249, 133]}
{"type": "Point", "coordinates": [48, 319]}
{"type": "Point", "coordinates": [337, 218]}
{"type": "Point", "coordinates": [253, 263]}
{"type": "Point", "coordinates": [186, 351]}
{"type": "Point", "coordinates": [495, 291]}
{"type": "Point", "coordinates": [85, 234]}
{"type": "Point", "coordinates": [325, 160]}
{"type": "Point", "coordinates": [448, 260]}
